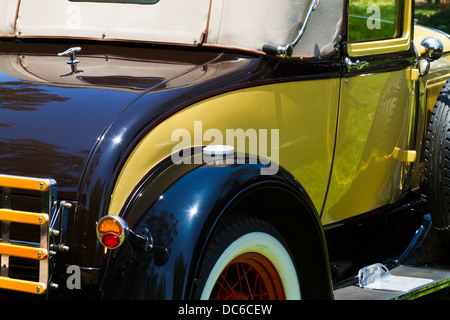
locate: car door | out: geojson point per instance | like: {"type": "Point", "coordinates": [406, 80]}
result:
{"type": "Point", "coordinates": [373, 149]}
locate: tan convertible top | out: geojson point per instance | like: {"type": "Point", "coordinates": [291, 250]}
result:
{"type": "Point", "coordinates": [246, 25]}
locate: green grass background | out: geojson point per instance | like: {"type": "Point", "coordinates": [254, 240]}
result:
{"type": "Point", "coordinates": [433, 14]}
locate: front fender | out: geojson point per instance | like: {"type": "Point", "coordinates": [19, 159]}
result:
{"type": "Point", "coordinates": [421, 32]}
{"type": "Point", "coordinates": [182, 206]}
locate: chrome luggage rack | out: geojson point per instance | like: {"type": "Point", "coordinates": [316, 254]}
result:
{"type": "Point", "coordinates": [8, 248]}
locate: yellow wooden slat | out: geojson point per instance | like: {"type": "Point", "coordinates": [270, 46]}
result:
{"type": "Point", "coordinates": [23, 251]}
{"type": "Point", "coordinates": [23, 217]}
{"type": "Point", "coordinates": [22, 285]}
{"type": "Point", "coordinates": [24, 183]}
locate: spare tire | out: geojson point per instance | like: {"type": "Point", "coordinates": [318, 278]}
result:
{"type": "Point", "coordinates": [437, 163]}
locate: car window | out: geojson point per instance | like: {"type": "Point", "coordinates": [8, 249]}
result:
{"type": "Point", "coordinates": [374, 19]}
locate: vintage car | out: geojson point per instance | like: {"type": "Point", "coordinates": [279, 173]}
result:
{"type": "Point", "coordinates": [212, 149]}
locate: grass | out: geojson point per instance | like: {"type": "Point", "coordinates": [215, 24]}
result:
{"type": "Point", "coordinates": [371, 20]}
{"type": "Point", "coordinates": [433, 15]}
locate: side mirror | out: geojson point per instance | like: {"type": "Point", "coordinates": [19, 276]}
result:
{"type": "Point", "coordinates": [433, 48]}
{"type": "Point", "coordinates": [433, 51]}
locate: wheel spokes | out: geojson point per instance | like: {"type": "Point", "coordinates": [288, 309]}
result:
{"type": "Point", "coordinates": [246, 280]}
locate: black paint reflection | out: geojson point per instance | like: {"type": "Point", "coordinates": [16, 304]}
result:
{"type": "Point", "coordinates": [22, 96]}
{"type": "Point", "coordinates": [35, 158]}
{"type": "Point", "coordinates": [48, 131]}
{"type": "Point", "coordinates": [153, 268]}
{"type": "Point", "coordinates": [163, 227]}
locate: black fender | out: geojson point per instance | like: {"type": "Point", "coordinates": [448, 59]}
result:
{"type": "Point", "coordinates": [182, 206]}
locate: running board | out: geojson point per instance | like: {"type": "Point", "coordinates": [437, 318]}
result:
{"type": "Point", "coordinates": [400, 283]}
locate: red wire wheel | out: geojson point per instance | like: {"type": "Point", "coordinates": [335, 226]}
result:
{"type": "Point", "coordinates": [247, 259]}
{"type": "Point", "coordinates": [250, 276]}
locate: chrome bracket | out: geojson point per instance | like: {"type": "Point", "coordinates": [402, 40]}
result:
{"type": "Point", "coordinates": [288, 50]}
{"type": "Point", "coordinates": [378, 277]}
{"type": "Point", "coordinates": [58, 228]}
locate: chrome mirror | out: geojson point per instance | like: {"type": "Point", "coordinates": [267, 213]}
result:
{"type": "Point", "coordinates": [433, 48]}
{"type": "Point", "coordinates": [433, 51]}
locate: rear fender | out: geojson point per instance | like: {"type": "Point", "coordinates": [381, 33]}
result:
{"type": "Point", "coordinates": [183, 205]}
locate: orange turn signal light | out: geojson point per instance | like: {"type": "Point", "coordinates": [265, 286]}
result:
{"type": "Point", "coordinates": [109, 225]}
{"type": "Point", "coordinates": [111, 231]}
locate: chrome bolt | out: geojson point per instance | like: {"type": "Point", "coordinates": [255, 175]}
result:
{"type": "Point", "coordinates": [63, 248]}
{"type": "Point", "coordinates": [39, 254]}
{"type": "Point", "coordinates": [54, 285]}
{"type": "Point", "coordinates": [41, 185]}
{"type": "Point", "coordinates": [40, 220]}
{"type": "Point", "coordinates": [67, 205]}
{"type": "Point", "coordinates": [38, 289]}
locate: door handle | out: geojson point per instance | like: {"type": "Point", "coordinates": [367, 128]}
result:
{"type": "Point", "coordinates": [355, 66]}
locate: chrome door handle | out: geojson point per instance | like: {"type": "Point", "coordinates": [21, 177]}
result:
{"type": "Point", "coordinates": [355, 66]}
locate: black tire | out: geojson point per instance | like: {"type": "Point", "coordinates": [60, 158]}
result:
{"type": "Point", "coordinates": [249, 243]}
{"type": "Point", "coordinates": [437, 163]}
